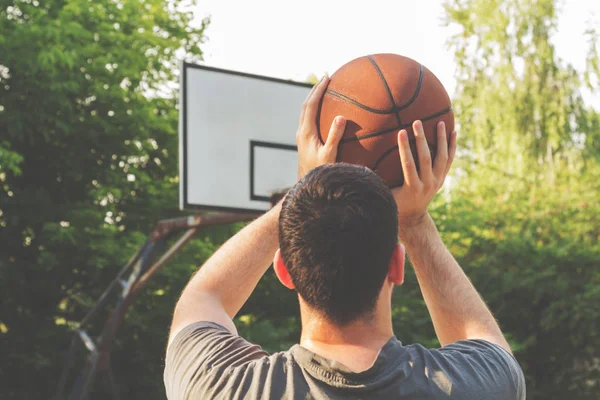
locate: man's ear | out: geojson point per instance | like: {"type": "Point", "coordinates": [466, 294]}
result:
{"type": "Point", "coordinates": [396, 269]}
{"type": "Point", "coordinates": [281, 271]}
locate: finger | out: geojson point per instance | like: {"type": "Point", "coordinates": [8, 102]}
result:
{"type": "Point", "coordinates": [411, 177]}
{"type": "Point", "coordinates": [451, 152]}
{"type": "Point", "coordinates": [423, 154]}
{"type": "Point", "coordinates": [312, 90]}
{"type": "Point", "coordinates": [441, 157]}
{"type": "Point", "coordinates": [336, 132]}
{"type": "Point", "coordinates": [312, 104]}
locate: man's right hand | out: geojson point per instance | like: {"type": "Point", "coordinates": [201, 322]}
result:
{"type": "Point", "coordinates": [457, 310]}
{"type": "Point", "coordinates": [420, 187]}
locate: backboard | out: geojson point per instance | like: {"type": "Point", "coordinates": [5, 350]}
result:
{"type": "Point", "coordinates": [236, 138]}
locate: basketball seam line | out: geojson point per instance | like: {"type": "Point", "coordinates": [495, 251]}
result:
{"type": "Point", "coordinates": [380, 160]}
{"type": "Point", "coordinates": [356, 103]}
{"type": "Point", "coordinates": [387, 87]}
{"type": "Point", "coordinates": [318, 119]}
{"type": "Point", "coordinates": [384, 155]}
{"type": "Point", "coordinates": [417, 90]}
{"type": "Point", "coordinates": [379, 111]}
{"type": "Point", "coordinates": [391, 150]}
{"type": "Point", "coordinates": [370, 135]}
{"type": "Point", "coordinates": [383, 132]}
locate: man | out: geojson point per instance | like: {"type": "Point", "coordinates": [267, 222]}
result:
{"type": "Point", "coordinates": [337, 231]}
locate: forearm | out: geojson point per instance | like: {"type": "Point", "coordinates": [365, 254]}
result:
{"type": "Point", "coordinates": [457, 310]}
{"type": "Point", "coordinates": [233, 271]}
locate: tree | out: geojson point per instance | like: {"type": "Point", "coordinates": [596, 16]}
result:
{"type": "Point", "coordinates": [88, 163]}
{"type": "Point", "coordinates": [522, 204]}
{"type": "Point", "coordinates": [521, 104]}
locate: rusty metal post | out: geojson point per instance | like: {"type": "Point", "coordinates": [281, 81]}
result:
{"type": "Point", "coordinates": [97, 361]}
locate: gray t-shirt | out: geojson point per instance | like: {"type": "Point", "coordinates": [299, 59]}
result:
{"type": "Point", "coordinates": [206, 361]}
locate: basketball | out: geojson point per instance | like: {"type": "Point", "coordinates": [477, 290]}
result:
{"type": "Point", "coordinates": [379, 95]}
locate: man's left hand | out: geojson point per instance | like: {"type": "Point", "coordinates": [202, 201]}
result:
{"type": "Point", "coordinates": [311, 152]}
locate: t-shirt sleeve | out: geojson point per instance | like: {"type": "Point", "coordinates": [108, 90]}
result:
{"type": "Point", "coordinates": [200, 353]}
{"type": "Point", "coordinates": [489, 366]}
{"type": "Point", "coordinates": [475, 369]}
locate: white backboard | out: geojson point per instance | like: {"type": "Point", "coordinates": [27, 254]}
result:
{"type": "Point", "coordinates": [236, 138]}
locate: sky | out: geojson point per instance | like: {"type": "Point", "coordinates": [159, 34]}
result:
{"type": "Point", "coordinates": [292, 40]}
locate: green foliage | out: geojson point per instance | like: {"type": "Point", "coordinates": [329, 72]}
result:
{"type": "Point", "coordinates": [534, 256]}
{"type": "Point", "coordinates": [522, 213]}
{"type": "Point", "coordinates": [88, 164]}
{"type": "Point", "coordinates": [88, 143]}
{"type": "Point", "coordinates": [520, 106]}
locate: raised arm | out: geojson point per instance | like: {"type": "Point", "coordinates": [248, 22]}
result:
{"type": "Point", "coordinates": [456, 308]}
{"type": "Point", "coordinates": [221, 287]}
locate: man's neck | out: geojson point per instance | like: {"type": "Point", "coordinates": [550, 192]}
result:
{"type": "Point", "coordinates": [355, 345]}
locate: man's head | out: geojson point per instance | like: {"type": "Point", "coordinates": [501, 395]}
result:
{"type": "Point", "coordinates": [338, 232]}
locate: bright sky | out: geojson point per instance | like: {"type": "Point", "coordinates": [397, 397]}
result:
{"type": "Point", "coordinates": [291, 40]}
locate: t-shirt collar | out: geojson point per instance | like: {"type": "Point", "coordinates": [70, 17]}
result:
{"type": "Point", "coordinates": [333, 372]}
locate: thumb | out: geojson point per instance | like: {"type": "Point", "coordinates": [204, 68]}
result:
{"type": "Point", "coordinates": [336, 132]}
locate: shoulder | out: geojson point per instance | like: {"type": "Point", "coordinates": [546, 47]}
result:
{"type": "Point", "coordinates": [471, 368]}
{"type": "Point", "coordinates": [206, 359]}
{"type": "Point", "coordinates": [208, 343]}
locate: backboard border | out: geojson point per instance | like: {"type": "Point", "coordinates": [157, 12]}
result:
{"type": "Point", "coordinates": [269, 145]}
{"type": "Point", "coordinates": [183, 201]}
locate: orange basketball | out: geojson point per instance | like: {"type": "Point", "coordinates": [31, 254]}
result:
{"type": "Point", "coordinates": [379, 95]}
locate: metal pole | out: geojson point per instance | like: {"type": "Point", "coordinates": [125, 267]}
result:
{"type": "Point", "coordinates": [98, 359]}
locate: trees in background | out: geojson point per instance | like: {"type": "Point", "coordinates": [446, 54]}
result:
{"type": "Point", "coordinates": [88, 164]}
{"type": "Point", "coordinates": [524, 205]}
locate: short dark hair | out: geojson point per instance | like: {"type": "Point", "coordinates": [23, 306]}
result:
{"type": "Point", "coordinates": [337, 231]}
